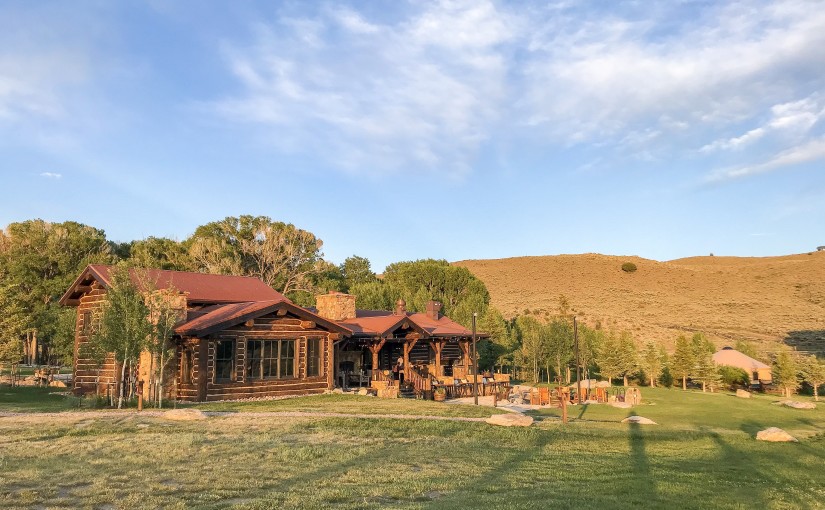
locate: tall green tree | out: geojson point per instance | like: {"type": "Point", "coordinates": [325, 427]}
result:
{"type": "Point", "coordinates": [651, 362]}
{"type": "Point", "coordinates": [455, 287]}
{"type": "Point", "coordinates": [786, 372]}
{"type": "Point", "coordinates": [610, 357]}
{"type": "Point", "coordinates": [40, 260]}
{"type": "Point", "coordinates": [531, 334]}
{"type": "Point", "coordinates": [356, 270]}
{"type": "Point", "coordinates": [12, 325]}
{"type": "Point", "coordinates": [166, 308]}
{"type": "Point", "coordinates": [161, 253]}
{"type": "Point", "coordinates": [559, 344]}
{"type": "Point", "coordinates": [283, 256]}
{"type": "Point", "coordinates": [629, 356]}
{"type": "Point", "coordinates": [683, 361]}
{"type": "Point", "coordinates": [813, 371]}
{"type": "Point", "coordinates": [705, 370]}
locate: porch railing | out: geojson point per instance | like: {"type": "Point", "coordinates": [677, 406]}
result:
{"type": "Point", "coordinates": [419, 382]}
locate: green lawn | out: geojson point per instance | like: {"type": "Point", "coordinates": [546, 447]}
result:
{"type": "Point", "coordinates": [353, 404]}
{"type": "Point", "coordinates": [24, 399]}
{"type": "Point", "coordinates": [702, 455]}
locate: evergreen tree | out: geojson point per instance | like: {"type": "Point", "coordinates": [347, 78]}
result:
{"type": "Point", "coordinates": [610, 357]}
{"type": "Point", "coordinates": [651, 362]}
{"type": "Point", "coordinates": [682, 362]}
{"type": "Point", "coordinates": [705, 370]}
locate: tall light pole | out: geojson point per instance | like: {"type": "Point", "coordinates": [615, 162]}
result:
{"type": "Point", "coordinates": [578, 363]}
{"type": "Point", "coordinates": [475, 362]}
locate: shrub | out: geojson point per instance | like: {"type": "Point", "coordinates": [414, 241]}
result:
{"type": "Point", "coordinates": [733, 377]}
{"type": "Point", "coordinates": [628, 267]}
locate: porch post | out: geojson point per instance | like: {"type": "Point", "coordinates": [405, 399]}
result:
{"type": "Point", "coordinates": [438, 345]}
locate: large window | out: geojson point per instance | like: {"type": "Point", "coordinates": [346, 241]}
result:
{"type": "Point", "coordinates": [270, 359]}
{"type": "Point", "coordinates": [224, 360]}
{"type": "Point", "coordinates": [314, 357]}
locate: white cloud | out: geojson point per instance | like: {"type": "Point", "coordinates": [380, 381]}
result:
{"type": "Point", "coordinates": [51, 175]}
{"type": "Point", "coordinates": [426, 92]}
{"type": "Point", "coordinates": [598, 78]}
{"type": "Point", "coordinates": [417, 95]}
{"type": "Point", "coordinates": [809, 151]}
{"type": "Point", "coordinates": [792, 120]}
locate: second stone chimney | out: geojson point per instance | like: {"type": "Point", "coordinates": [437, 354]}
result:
{"type": "Point", "coordinates": [335, 306]}
{"type": "Point", "coordinates": [433, 310]}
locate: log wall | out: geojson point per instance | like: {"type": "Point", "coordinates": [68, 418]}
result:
{"type": "Point", "coordinates": [84, 370]}
{"type": "Point", "coordinates": [203, 386]}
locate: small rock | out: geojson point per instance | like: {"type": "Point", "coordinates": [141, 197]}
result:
{"type": "Point", "coordinates": [510, 420]}
{"type": "Point", "coordinates": [57, 384]}
{"type": "Point", "coordinates": [799, 405]}
{"type": "Point", "coordinates": [640, 420]}
{"type": "Point", "coordinates": [363, 391]}
{"type": "Point", "coordinates": [743, 394]}
{"type": "Point", "coordinates": [590, 402]}
{"type": "Point", "coordinates": [184, 415]}
{"type": "Point", "coordinates": [775, 435]}
{"type": "Point", "coordinates": [338, 391]}
{"type": "Point", "coordinates": [622, 405]}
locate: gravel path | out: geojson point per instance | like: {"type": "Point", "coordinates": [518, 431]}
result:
{"type": "Point", "coordinates": [240, 414]}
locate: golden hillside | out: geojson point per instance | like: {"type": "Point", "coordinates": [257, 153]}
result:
{"type": "Point", "coordinates": [758, 299]}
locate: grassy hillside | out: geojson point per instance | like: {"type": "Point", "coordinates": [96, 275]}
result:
{"type": "Point", "coordinates": [764, 300]}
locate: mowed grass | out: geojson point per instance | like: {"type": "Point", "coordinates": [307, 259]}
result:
{"type": "Point", "coordinates": [23, 399]}
{"type": "Point", "coordinates": [352, 404]}
{"type": "Point", "coordinates": [702, 455]}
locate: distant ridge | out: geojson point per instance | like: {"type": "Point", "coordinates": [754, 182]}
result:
{"type": "Point", "coordinates": [760, 299]}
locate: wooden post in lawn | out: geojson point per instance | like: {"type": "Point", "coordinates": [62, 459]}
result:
{"type": "Point", "coordinates": [475, 362]}
{"type": "Point", "coordinates": [563, 399]}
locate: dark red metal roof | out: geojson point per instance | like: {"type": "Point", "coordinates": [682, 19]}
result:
{"type": "Point", "coordinates": [199, 287]}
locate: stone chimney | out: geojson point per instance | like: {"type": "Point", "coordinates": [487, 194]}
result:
{"type": "Point", "coordinates": [400, 307]}
{"type": "Point", "coordinates": [433, 310]}
{"type": "Point", "coordinates": [336, 306]}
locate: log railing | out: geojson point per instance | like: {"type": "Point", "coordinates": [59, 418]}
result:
{"type": "Point", "coordinates": [419, 382]}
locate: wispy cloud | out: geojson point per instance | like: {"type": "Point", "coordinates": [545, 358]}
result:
{"type": "Point", "coordinates": [51, 175]}
{"type": "Point", "coordinates": [810, 151]}
{"type": "Point", "coordinates": [425, 92]}
{"type": "Point", "coordinates": [418, 95]}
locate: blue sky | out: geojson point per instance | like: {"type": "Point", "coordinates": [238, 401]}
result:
{"type": "Point", "coordinates": [403, 130]}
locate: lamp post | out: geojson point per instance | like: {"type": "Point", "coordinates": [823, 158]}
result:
{"type": "Point", "coordinates": [578, 362]}
{"type": "Point", "coordinates": [475, 362]}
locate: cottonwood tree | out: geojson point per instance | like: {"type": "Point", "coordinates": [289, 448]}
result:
{"type": "Point", "coordinates": [161, 253]}
{"type": "Point", "coordinates": [124, 326]}
{"type": "Point", "coordinates": [786, 372]}
{"type": "Point", "coordinates": [559, 344]}
{"type": "Point", "coordinates": [356, 270]}
{"type": "Point", "coordinates": [651, 362]}
{"type": "Point", "coordinates": [683, 361]}
{"type": "Point", "coordinates": [531, 333]}
{"type": "Point", "coordinates": [813, 371]}
{"type": "Point", "coordinates": [283, 256]}
{"type": "Point", "coordinates": [12, 324]}
{"type": "Point", "coordinates": [40, 260]}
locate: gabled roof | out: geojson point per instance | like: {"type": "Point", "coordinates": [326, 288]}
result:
{"type": "Point", "coordinates": [734, 358]}
{"type": "Point", "coordinates": [199, 287]}
{"type": "Point", "coordinates": [383, 323]}
{"type": "Point", "coordinates": [225, 316]}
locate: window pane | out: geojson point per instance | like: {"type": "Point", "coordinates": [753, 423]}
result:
{"type": "Point", "coordinates": [224, 359]}
{"type": "Point", "coordinates": [314, 357]}
{"type": "Point", "coordinates": [287, 358]}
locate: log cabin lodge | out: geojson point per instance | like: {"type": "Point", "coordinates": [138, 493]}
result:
{"type": "Point", "coordinates": [238, 338]}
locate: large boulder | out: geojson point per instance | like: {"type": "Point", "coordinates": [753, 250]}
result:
{"type": "Point", "coordinates": [775, 435]}
{"type": "Point", "coordinates": [639, 420]}
{"type": "Point", "coordinates": [799, 405]}
{"type": "Point", "coordinates": [184, 415]}
{"type": "Point", "coordinates": [743, 393]}
{"type": "Point", "coordinates": [510, 420]}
